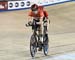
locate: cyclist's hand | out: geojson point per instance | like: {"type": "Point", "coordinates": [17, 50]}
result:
{"type": "Point", "coordinates": [29, 23]}
{"type": "Point", "coordinates": [26, 25]}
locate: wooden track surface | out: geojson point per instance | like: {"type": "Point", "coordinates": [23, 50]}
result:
{"type": "Point", "coordinates": [14, 36]}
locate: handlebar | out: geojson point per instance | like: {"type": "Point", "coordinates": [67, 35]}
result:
{"type": "Point", "coordinates": [28, 24]}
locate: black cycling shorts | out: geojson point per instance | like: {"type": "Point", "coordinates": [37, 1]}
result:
{"type": "Point", "coordinates": [36, 26]}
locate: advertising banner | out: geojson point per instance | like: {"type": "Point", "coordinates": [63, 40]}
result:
{"type": "Point", "coordinates": [18, 4]}
{"type": "Point", "coordinates": [3, 5]}
{"type": "Point", "coordinates": [28, 3]}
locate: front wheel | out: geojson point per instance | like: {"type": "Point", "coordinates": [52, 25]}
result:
{"type": "Point", "coordinates": [33, 47]}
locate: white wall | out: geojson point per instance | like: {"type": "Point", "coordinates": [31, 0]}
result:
{"type": "Point", "coordinates": [28, 3]}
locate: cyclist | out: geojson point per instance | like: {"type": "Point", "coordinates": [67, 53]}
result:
{"type": "Point", "coordinates": [36, 15]}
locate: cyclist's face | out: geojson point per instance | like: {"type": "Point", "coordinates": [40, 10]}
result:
{"type": "Point", "coordinates": [35, 12]}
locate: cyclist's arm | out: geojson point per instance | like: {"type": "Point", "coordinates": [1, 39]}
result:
{"type": "Point", "coordinates": [30, 15]}
{"type": "Point", "coordinates": [48, 23]}
{"type": "Point", "coordinates": [46, 15]}
{"type": "Point", "coordinates": [47, 18]}
{"type": "Point", "coordinates": [30, 18]}
{"type": "Point", "coordinates": [29, 21]}
{"type": "Point", "coordinates": [41, 17]}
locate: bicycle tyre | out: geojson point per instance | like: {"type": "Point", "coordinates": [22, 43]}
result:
{"type": "Point", "coordinates": [33, 47]}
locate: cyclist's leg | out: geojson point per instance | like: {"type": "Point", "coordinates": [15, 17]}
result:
{"type": "Point", "coordinates": [39, 36]}
{"type": "Point", "coordinates": [46, 40]}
